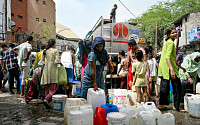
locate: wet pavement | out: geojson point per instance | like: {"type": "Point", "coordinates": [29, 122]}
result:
{"type": "Point", "coordinates": [14, 112]}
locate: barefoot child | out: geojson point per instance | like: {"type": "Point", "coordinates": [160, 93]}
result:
{"type": "Point", "coordinates": [139, 70]}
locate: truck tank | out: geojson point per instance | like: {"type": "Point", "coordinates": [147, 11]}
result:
{"type": "Point", "coordinates": [117, 35]}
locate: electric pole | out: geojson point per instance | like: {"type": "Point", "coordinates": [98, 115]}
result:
{"type": "Point", "coordinates": [156, 39]}
{"type": "Point", "coordinates": [5, 16]}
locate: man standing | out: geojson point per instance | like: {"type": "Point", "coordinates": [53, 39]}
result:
{"type": "Point", "coordinates": [148, 48]}
{"type": "Point", "coordinates": [24, 61]}
{"type": "Point", "coordinates": [68, 60]}
{"type": "Point", "coordinates": [10, 63]}
{"type": "Point", "coordinates": [113, 13]}
{"type": "Point", "coordinates": [3, 48]}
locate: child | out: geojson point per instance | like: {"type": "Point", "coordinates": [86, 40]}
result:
{"type": "Point", "coordinates": [139, 69]}
{"type": "Point", "coordinates": [125, 70]}
{"type": "Point", "coordinates": [153, 73]}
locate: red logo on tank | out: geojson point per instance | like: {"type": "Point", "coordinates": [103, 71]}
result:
{"type": "Point", "coordinates": [120, 30]}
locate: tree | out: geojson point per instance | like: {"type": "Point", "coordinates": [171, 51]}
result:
{"type": "Point", "coordinates": [164, 13]}
{"type": "Point", "coordinates": [44, 32]}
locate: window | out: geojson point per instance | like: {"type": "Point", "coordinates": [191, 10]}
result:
{"type": "Point", "coordinates": [44, 20]}
{"type": "Point", "coordinates": [44, 2]}
{"type": "Point", "coordinates": [20, 17]}
{"type": "Point", "coordinates": [37, 19]}
{"type": "Point", "coordinates": [37, 1]}
{"type": "Point", "coordinates": [12, 14]}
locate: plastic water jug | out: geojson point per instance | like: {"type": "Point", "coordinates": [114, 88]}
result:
{"type": "Point", "coordinates": [96, 98]}
{"type": "Point", "coordinates": [129, 111]}
{"type": "Point", "coordinates": [131, 98]}
{"type": "Point", "coordinates": [149, 106]}
{"type": "Point", "coordinates": [80, 115]}
{"type": "Point", "coordinates": [78, 87]}
{"type": "Point", "coordinates": [72, 102]}
{"type": "Point", "coordinates": [74, 117]}
{"type": "Point", "coordinates": [100, 116]}
{"type": "Point", "coordinates": [198, 87]}
{"type": "Point", "coordinates": [58, 102]}
{"type": "Point", "coordinates": [119, 96]}
{"type": "Point", "coordinates": [194, 106]}
{"type": "Point", "coordinates": [109, 108]}
{"type": "Point", "coordinates": [136, 120]}
{"type": "Point", "coordinates": [87, 114]}
{"type": "Point", "coordinates": [139, 108]}
{"type": "Point", "coordinates": [156, 113]}
{"type": "Point", "coordinates": [187, 95]}
{"type": "Point", "coordinates": [110, 95]}
{"type": "Point", "coordinates": [116, 118]}
{"type": "Point", "coordinates": [166, 119]}
{"type": "Point", "coordinates": [148, 118]}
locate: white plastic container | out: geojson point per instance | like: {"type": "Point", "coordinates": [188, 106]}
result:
{"type": "Point", "coordinates": [70, 103]}
{"type": "Point", "coordinates": [198, 87]}
{"type": "Point", "coordinates": [156, 113]}
{"type": "Point", "coordinates": [194, 106]}
{"type": "Point", "coordinates": [166, 119]}
{"type": "Point", "coordinates": [74, 116]}
{"type": "Point", "coordinates": [96, 98]}
{"type": "Point", "coordinates": [80, 115]}
{"type": "Point", "coordinates": [136, 120]}
{"type": "Point", "coordinates": [116, 118]}
{"type": "Point", "coordinates": [139, 108]}
{"type": "Point", "coordinates": [148, 118]}
{"type": "Point", "coordinates": [58, 102]}
{"type": "Point", "coordinates": [187, 95]}
{"type": "Point", "coordinates": [131, 98]}
{"type": "Point", "coordinates": [111, 95]}
{"type": "Point", "coordinates": [129, 111]}
{"type": "Point", "coordinates": [87, 114]}
{"type": "Point", "coordinates": [149, 106]}
{"type": "Point", "coordinates": [119, 96]}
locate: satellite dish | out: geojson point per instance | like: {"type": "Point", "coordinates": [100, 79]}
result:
{"type": "Point", "coordinates": [12, 23]}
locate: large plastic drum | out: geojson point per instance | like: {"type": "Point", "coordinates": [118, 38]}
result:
{"type": "Point", "coordinates": [116, 118]}
{"type": "Point", "coordinates": [59, 102]}
{"type": "Point", "coordinates": [119, 96]}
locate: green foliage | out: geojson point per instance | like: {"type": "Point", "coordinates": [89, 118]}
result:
{"type": "Point", "coordinates": [164, 13]}
{"type": "Point", "coordinates": [45, 31]}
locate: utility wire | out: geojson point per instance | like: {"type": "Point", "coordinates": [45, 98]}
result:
{"type": "Point", "coordinates": [128, 10]}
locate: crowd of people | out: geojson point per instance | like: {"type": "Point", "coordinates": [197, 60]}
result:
{"type": "Point", "coordinates": [141, 68]}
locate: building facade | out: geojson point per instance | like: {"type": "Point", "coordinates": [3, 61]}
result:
{"type": "Point", "coordinates": [189, 24]}
{"type": "Point", "coordinates": [19, 17]}
{"type": "Point", "coordinates": [5, 19]}
{"type": "Point", "coordinates": [41, 13]}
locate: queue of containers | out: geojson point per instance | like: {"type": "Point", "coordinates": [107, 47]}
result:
{"type": "Point", "coordinates": [122, 110]}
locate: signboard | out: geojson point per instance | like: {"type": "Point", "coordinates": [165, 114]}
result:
{"type": "Point", "coordinates": [194, 35]}
{"type": "Point", "coordinates": [122, 33]}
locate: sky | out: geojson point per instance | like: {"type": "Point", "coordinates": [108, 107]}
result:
{"type": "Point", "coordinates": [81, 15]}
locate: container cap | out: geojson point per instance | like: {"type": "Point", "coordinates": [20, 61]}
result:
{"type": "Point", "coordinates": [116, 116]}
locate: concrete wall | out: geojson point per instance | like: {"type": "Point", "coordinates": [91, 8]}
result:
{"type": "Point", "coordinates": [190, 22]}
{"type": "Point", "coordinates": [61, 45]}
{"type": "Point", "coordinates": [42, 11]}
